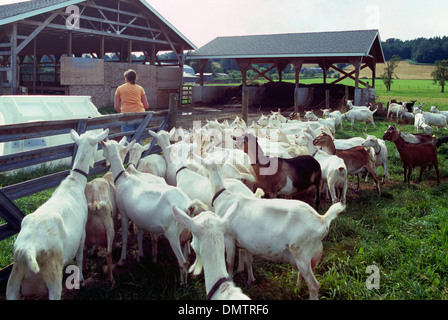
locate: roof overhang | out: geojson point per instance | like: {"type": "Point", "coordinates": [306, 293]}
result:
{"type": "Point", "coordinates": [219, 47]}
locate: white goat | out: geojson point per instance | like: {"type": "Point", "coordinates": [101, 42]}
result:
{"type": "Point", "coordinates": [336, 115]}
{"type": "Point", "coordinates": [310, 116]}
{"type": "Point", "coordinates": [334, 170]}
{"type": "Point", "coordinates": [278, 230]}
{"type": "Point", "coordinates": [208, 243]}
{"type": "Point", "coordinates": [352, 107]}
{"type": "Point", "coordinates": [54, 234]}
{"type": "Point", "coordinates": [153, 163]}
{"type": "Point", "coordinates": [163, 140]}
{"type": "Point", "coordinates": [395, 109]}
{"type": "Point", "coordinates": [102, 212]}
{"type": "Point", "coordinates": [434, 109]}
{"type": "Point", "coordinates": [148, 205]}
{"type": "Point", "coordinates": [419, 120]}
{"type": "Point", "coordinates": [358, 114]}
{"type": "Point", "coordinates": [378, 152]}
{"type": "Point", "coordinates": [432, 119]}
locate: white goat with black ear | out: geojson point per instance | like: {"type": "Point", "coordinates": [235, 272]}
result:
{"type": "Point", "coordinates": [148, 205]}
{"type": "Point", "coordinates": [54, 234]}
{"type": "Point", "coordinates": [153, 163]}
{"type": "Point", "coordinates": [208, 243]}
{"type": "Point", "coordinates": [278, 230]}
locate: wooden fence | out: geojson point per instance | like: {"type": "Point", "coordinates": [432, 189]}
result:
{"type": "Point", "coordinates": [15, 132]}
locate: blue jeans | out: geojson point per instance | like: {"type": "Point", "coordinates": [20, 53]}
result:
{"type": "Point", "coordinates": [130, 127]}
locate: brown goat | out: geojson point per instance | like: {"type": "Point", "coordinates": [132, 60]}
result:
{"type": "Point", "coordinates": [279, 176]}
{"type": "Point", "coordinates": [356, 159]}
{"type": "Point", "coordinates": [413, 154]}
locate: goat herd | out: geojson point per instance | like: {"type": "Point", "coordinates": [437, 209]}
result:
{"type": "Point", "coordinates": [216, 188]}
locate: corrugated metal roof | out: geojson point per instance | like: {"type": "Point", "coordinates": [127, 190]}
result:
{"type": "Point", "coordinates": [313, 44]}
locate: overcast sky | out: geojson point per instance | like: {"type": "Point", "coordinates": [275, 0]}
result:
{"type": "Point", "coordinates": [201, 21]}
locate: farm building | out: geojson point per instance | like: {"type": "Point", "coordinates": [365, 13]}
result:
{"type": "Point", "coordinates": [83, 47]}
{"type": "Point", "coordinates": [360, 48]}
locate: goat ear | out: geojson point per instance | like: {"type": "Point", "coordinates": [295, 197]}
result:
{"type": "Point", "coordinates": [230, 213]}
{"type": "Point", "coordinates": [74, 135]}
{"type": "Point", "coordinates": [131, 144]}
{"type": "Point", "coordinates": [152, 133]}
{"type": "Point", "coordinates": [123, 141]}
{"type": "Point", "coordinates": [182, 217]}
{"type": "Point", "coordinates": [103, 135]}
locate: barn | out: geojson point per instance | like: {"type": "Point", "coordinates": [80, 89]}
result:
{"type": "Point", "coordinates": [328, 50]}
{"type": "Point", "coordinates": [82, 47]}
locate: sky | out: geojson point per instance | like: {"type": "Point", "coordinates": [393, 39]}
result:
{"type": "Point", "coordinates": [201, 21]}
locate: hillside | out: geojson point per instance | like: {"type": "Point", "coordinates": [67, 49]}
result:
{"type": "Point", "coordinates": [405, 71]}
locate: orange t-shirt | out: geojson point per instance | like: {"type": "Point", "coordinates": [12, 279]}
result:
{"type": "Point", "coordinates": [131, 97]}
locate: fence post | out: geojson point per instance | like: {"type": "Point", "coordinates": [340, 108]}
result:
{"type": "Point", "coordinates": [174, 101]}
{"type": "Point", "coordinates": [327, 98]}
{"type": "Point", "coordinates": [245, 104]}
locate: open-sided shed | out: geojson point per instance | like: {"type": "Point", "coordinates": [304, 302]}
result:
{"type": "Point", "coordinates": [361, 48]}
{"type": "Point", "coordinates": [43, 45]}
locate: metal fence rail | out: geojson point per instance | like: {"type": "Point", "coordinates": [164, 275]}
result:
{"type": "Point", "coordinates": [8, 210]}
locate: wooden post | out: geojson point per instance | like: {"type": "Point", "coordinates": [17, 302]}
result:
{"type": "Point", "coordinates": [296, 99]}
{"type": "Point", "coordinates": [130, 51]}
{"type": "Point", "coordinates": [174, 101]}
{"type": "Point", "coordinates": [202, 63]}
{"type": "Point", "coordinates": [347, 94]}
{"type": "Point", "coordinates": [14, 66]}
{"type": "Point", "coordinates": [297, 63]}
{"type": "Point", "coordinates": [245, 103]}
{"type": "Point", "coordinates": [102, 48]}
{"type": "Point", "coordinates": [327, 98]}
{"type": "Point", "coordinates": [69, 44]}
{"type": "Point", "coordinates": [34, 66]}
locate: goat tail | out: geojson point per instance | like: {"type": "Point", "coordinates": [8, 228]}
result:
{"type": "Point", "coordinates": [195, 207]}
{"type": "Point", "coordinates": [332, 213]}
{"type": "Point", "coordinates": [27, 257]}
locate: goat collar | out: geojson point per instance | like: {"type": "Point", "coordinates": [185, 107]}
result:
{"type": "Point", "coordinates": [81, 172]}
{"type": "Point", "coordinates": [217, 195]}
{"type": "Point", "coordinates": [119, 175]}
{"type": "Point", "coordinates": [217, 285]}
{"type": "Point", "coordinates": [182, 168]}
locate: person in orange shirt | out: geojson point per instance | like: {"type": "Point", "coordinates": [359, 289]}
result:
{"type": "Point", "coordinates": [130, 97]}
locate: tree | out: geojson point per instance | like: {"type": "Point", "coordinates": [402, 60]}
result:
{"type": "Point", "coordinates": [440, 75]}
{"type": "Point", "coordinates": [389, 71]}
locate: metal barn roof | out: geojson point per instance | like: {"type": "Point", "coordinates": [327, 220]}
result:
{"type": "Point", "coordinates": [302, 45]}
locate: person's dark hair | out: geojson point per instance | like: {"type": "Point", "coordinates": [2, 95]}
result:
{"type": "Point", "coordinates": [131, 76]}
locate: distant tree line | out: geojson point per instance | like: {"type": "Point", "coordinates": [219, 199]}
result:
{"type": "Point", "coordinates": [421, 50]}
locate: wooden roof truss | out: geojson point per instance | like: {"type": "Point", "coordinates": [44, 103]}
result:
{"type": "Point", "coordinates": [120, 27]}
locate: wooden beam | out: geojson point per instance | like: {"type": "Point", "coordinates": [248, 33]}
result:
{"type": "Point", "coordinates": [37, 30]}
{"type": "Point", "coordinates": [297, 63]}
{"type": "Point", "coordinates": [261, 74]}
{"type": "Point", "coordinates": [347, 75]}
{"type": "Point", "coordinates": [101, 33]}
{"type": "Point", "coordinates": [243, 64]}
